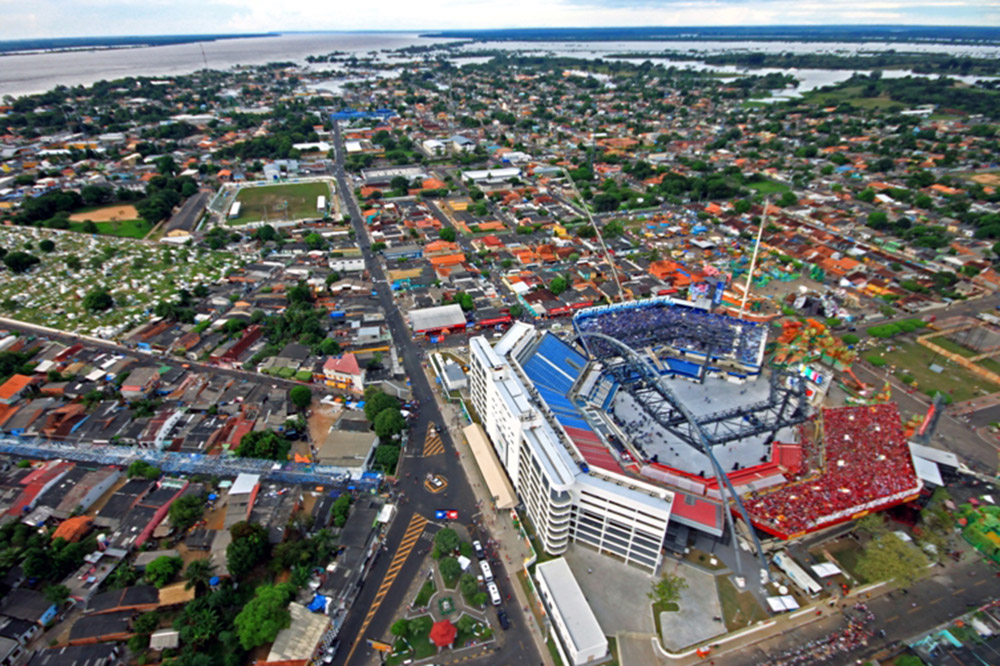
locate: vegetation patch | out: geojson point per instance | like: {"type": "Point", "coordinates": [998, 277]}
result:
{"type": "Point", "coordinates": [292, 201]}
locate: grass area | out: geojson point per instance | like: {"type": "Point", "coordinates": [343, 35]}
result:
{"type": "Point", "coordinates": [851, 94]}
{"type": "Point", "coordinates": [425, 594]}
{"type": "Point", "coordinates": [704, 560]}
{"type": "Point", "coordinates": [613, 651]}
{"type": "Point", "coordinates": [286, 201]}
{"type": "Point", "coordinates": [120, 229]}
{"type": "Point", "coordinates": [657, 608]}
{"type": "Point", "coordinates": [953, 346]}
{"type": "Point", "coordinates": [915, 359]}
{"type": "Point", "coordinates": [847, 553]}
{"type": "Point", "coordinates": [768, 187]}
{"type": "Point", "coordinates": [739, 609]}
{"type": "Point", "coordinates": [990, 364]}
{"type": "Point", "coordinates": [556, 659]}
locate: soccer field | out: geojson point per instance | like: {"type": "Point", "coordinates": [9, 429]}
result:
{"type": "Point", "coordinates": [286, 201]}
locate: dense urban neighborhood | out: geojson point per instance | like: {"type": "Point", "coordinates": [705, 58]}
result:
{"type": "Point", "coordinates": [412, 356]}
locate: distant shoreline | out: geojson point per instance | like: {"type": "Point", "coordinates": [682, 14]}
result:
{"type": "Point", "coordinates": [903, 34]}
{"type": "Point", "coordinates": [77, 44]}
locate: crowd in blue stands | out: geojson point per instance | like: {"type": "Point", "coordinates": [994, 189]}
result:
{"type": "Point", "coordinates": [553, 368]}
{"type": "Point", "coordinates": [682, 327]}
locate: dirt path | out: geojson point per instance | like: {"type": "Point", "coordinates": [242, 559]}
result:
{"type": "Point", "coordinates": [107, 214]}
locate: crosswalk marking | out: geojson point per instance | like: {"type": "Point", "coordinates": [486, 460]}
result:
{"type": "Point", "coordinates": [433, 445]}
{"type": "Point", "coordinates": [410, 538]}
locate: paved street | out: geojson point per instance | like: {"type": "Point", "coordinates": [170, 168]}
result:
{"type": "Point", "coordinates": [927, 604]}
{"type": "Point", "coordinates": [375, 607]}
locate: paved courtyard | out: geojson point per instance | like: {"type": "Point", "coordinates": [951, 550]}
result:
{"type": "Point", "coordinates": [699, 604]}
{"type": "Point", "coordinates": [616, 592]}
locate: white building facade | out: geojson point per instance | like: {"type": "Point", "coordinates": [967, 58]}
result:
{"type": "Point", "coordinates": [567, 500]}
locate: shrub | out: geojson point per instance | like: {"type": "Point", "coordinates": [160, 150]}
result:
{"type": "Point", "coordinates": [877, 361]}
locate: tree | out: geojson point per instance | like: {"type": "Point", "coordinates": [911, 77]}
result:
{"type": "Point", "coordinates": [469, 587]}
{"type": "Point", "coordinates": [265, 615]}
{"type": "Point", "coordinates": [314, 241]}
{"type": "Point", "coordinates": [447, 234]}
{"type": "Point", "coordinates": [421, 626]}
{"type": "Point", "coordinates": [446, 540]}
{"type": "Point", "coordinates": [887, 557]}
{"type": "Point", "coordinates": [668, 589]}
{"type": "Point", "coordinates": [877, 220]}
{"type": "Point", "coordinates": [199, 573]}
{"type": "Point", "coordinates": [143, 469]}
{"type": "Point", "coordinates": [166, 165]}
{"type": "Point", "coordinates": [263, 444]}
{"type": "Point", "coordinates": [248, 547]}
{"type": "Point", "coordinates": [450, 569]}
{"type": "Point", "coordinates": [341, 509]}
{"type": "Point", "coordinates": [389, 424]}
{"type": "Point", "coordinates": [19, 261]}
{"type": "Point", "coordinates": [788, 199]}
{"type": "Point", "coordinates": [386, 457]}
{"type": "Point", "coordinates": [873, 525]}
{"type": "Point", "coordinates": [46, 245]}
{"type": "Point", "coordinates": [867, 195]}
{"type": "Point", "coordinates": [376, 401]}
{"type": "Point", "coordinates": [741, 206]}
{"type": "Point", "coordinates": [850, 339]}
{"type": "Point", "coordinates": [558, 285]}
{"type": "Point", "coordinates": [98, 300]}
{"type": "Point", "coordinates": [56, 594]}
{"type": "Point", "coordinates": [301, 396]}
{"type": "Point", "coordinates": [186, 511]}
{"type": "Point", "coordinates": [162, 570]}
{"type": "Point", "coordinates": [400, 627]}
{"type": "Point", "coordinates": [466, 624]}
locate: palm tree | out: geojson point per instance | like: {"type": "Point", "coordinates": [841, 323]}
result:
{"type": "Point", "coordinates": [198, 573]}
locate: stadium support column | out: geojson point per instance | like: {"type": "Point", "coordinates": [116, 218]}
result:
{"type": "Point", "coordinates": [753, 259]}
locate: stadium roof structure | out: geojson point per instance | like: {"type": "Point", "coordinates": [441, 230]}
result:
{"type": "Point", "coordinates": [439, 318]}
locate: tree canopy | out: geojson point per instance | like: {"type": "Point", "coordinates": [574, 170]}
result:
{"type": "Point", "coordinates": [265, 615]}
{"type": "Point", "coordinates": [264, 444]}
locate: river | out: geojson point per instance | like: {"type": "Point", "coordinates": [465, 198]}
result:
{"type": "Point", "coordinates": [38, 72]}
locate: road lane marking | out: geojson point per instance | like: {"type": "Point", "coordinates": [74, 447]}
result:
{"type": "Point", "coordinates": [934, 601]}
{"type": "Point", "coordinates": [982, 582]}
{"type": "Point", "coordinates": [958, 592]}
{"type": "Point", "coordinates": [914, 610]}
{"type": "Point", "coordinates": [410, 538]}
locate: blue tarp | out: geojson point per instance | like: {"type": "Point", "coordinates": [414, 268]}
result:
{"type": "Point", "coordinates": [318, 604]}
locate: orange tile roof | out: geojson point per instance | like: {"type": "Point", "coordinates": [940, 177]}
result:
{"type": "Point", "coordinates": [13, 386]}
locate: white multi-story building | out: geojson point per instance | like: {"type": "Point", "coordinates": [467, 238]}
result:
{"type": "Point", "coordinates": [573, 488]}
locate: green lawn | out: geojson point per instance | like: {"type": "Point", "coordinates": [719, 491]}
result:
{"type": "Point", "coordinates": [914, 359]}
{"type": "Point", "coordinates": [658, 608]}
{"type": "Point", "coordinates": [739, 609]}
{"type": "Point", "coordinates": [990, 364]}
{"type": "Point", "coordinates": [769, 187]}
{"type": "Point", "coordinates": [285, 201]}
{"type": "Point", "coordinates": [847, 556]}
{"type": "Point", "coordinates": [953, 347]}
{"type": "Point", "coordinates": [851, 94]}
{"type": "Point", "coordinates": [122, 229]}
{"type": "Point", "coordinates": [424, 596]}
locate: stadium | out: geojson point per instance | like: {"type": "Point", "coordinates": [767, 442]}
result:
{"type": "Point", "coordinates": [661, 393]}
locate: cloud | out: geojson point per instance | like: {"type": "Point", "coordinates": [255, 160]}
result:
{"type": "Point", "coordinates": [55, 18]}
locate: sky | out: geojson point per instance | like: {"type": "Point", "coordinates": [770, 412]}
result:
{"type": "Point", "coordinates": [21, 19]}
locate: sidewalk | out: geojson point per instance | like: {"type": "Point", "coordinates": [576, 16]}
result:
{"type": "Point", "coordinates": [512, 545]}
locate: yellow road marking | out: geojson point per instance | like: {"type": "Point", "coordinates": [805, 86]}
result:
{"type": "Point", "coordinates": [410, 537]}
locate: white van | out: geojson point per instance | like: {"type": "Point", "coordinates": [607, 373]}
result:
{"type": "Point", "coordinates": [484, 566]}
{"type": "Point", "coordinates": [494, 593]}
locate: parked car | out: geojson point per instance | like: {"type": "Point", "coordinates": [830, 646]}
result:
{"type": "Point", "coordinates": [503, 619]}
{"type": "Point", "coordinates": [478, 547]}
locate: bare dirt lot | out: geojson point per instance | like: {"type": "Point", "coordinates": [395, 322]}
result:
{"type": "Point", "coordinates": [107, 214]}
{"type": "Point", "coordinates": [986, 178]}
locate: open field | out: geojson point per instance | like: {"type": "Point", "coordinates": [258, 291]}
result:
{"type": "Point", "coordinates": [117, 212]}
{"type": "Point", "coordinates": [286, 201]}
{"type": "Point", "coordinates": [768, 187]}
{"type": "Point", "coordinates": [986, 178]}
{"type": "Point", "coordinates": [852, 95]}
{"type": "Point", "coordinates": [913, 359]}
{"type": "Point", "coordinates": [122, 229]}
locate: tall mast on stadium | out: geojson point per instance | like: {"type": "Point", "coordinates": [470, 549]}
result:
{"type": "Point", "coordinates": [597, 232]}
{"type": "Point", "coordinates": [753, 259]}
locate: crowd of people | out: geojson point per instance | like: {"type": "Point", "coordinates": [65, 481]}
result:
{"type": "Point", "coordinates": [865, 459]}
{"type": "Point", "coordinates": [833, 646]}
{"type": "Point", "coordinates": [682, 327]}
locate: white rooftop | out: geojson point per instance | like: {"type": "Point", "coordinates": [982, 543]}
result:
{"type": "Point", "coordinates": [244, 484]}
{"type": "Point", "coordinates": [568, 600]}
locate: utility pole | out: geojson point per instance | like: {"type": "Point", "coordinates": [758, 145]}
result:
{"type": "Point", "coordinates": [753, 259]}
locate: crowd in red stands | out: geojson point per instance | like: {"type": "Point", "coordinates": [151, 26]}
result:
{"type": "Point", "coordinates": [865, 458]}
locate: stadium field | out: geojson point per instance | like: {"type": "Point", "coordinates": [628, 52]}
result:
{"type": "Point", "coordinates": [286, 201]}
